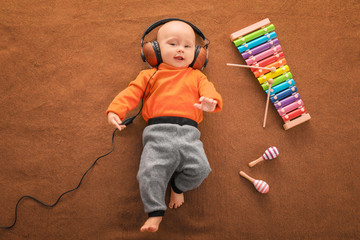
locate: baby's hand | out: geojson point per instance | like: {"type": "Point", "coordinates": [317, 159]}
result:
{"type": "Point", "coordinates": [114, 119]}
{"type": "Point", "coordinates": [206, 104]}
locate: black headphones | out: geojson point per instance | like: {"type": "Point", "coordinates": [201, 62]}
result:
{"type": "Point", "coordinates": [150, 51]}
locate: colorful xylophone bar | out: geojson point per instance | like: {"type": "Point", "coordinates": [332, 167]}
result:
{"type": "Point", "coordinates": [260, 47]}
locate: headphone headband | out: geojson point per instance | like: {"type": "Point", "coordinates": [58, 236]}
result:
{"type": "Point", "coordinates": [166, 20]}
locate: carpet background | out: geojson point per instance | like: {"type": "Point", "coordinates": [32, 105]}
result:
{"type": "Point", "coordinates": [62, 62]}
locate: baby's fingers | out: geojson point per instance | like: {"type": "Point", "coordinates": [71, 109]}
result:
{"type": "Point", "coordinates": [117, 123]}
{"type": "Point", "coordinates": [119, 126]}
{"type": "Point", "coordinates": [198, 105]}
{"type": "Point", "coordinates": [210, 101]}
{"type": "Point", "coordinates": [214, 102]}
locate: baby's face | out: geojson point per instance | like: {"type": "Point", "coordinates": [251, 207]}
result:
{"type": "Point", "coordinates": [177, 44]}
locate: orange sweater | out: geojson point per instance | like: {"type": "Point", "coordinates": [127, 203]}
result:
{"type": "Point", "coordinates": [171, 92]}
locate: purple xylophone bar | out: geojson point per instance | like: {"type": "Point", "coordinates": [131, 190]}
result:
{"type": "Point", "coordinates": [287, 101]}
{"type": "Point", "coordinates": [260, 48]}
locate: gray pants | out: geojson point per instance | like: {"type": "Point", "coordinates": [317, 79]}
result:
{"type": "Point", "coordinates": [169, 149]}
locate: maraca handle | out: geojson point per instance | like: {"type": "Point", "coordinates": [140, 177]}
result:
{"type": "Point", "coordinates": [246, 176]}
{"type": "Point", "coordinates": [253, 163]}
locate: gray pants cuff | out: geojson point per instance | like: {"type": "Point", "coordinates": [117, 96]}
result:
{"type": "Point", "coordinates": [173, 186]}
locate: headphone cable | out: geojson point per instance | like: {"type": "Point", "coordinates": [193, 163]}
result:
{"type": "Point", "coordinates": [69, 191]}
{"type": "Point", "coordinates": [130, 120]}
{"type": "Point", "coordinates": [125, 122]}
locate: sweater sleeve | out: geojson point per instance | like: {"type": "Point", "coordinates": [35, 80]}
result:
{"type": "Point", "coordinates": [129, 98]}
{"type": "Point", "coordinates": [207, 89]}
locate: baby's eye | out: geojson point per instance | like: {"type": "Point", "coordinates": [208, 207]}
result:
{"type": "Point", "coordinates": [172, 44]}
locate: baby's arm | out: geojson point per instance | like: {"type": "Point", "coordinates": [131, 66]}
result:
{"type": "Point", "coordinates": [210, 100]}
{"type": "Point", "coordinates": [114, 119]}
{"type": "Point", "coordinates": [206, 104]}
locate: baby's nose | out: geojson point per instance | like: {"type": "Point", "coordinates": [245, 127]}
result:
{"type": "Point", "coordinates": [180, 49]}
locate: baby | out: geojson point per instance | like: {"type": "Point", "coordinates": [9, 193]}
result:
{"type": "Point", "coordinates": [176, 96]}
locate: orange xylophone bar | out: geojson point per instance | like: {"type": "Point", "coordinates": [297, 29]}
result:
{"type": "Point", "coordinates": [260, 47]}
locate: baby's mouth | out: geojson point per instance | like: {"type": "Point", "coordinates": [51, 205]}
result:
{"type": "Point", "coordinates": [179, 58]}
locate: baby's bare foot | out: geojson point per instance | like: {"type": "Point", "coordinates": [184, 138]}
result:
{"type": "Point", "coordinates": [151, 224]}
{"type": "Point", "coordinates": [176, 200]}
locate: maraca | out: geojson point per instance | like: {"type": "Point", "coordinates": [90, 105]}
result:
{"type": "Point", "coordinates": [260, 185]}
{"type": "Point", "coordinates": [270, 153]}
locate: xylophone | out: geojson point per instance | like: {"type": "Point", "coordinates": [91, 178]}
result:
{"type": "Point", "coordinates": [262, 52]}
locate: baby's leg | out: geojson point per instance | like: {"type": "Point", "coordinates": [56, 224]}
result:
{"type": "Point", "coordinates": [194, 166]}
{"type": "Point", "coordinates": [153, 180]}
{"type": "Point", "coordinates": [157, 165]}
{"type": "Point", "coordinates": [191, 177]}
{"type": "Point", "coordinates": [176, 196]}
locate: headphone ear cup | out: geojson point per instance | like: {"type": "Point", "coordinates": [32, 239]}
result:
{"type": "Point", "coordinates": [200, 58]}
{"type": "Point", "coordinates": [152, 54]}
